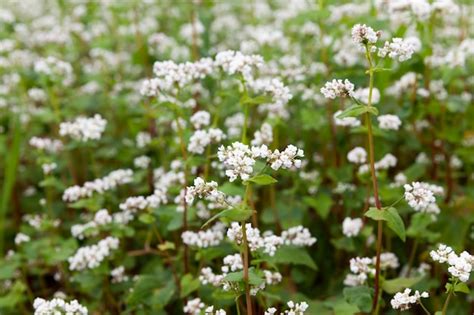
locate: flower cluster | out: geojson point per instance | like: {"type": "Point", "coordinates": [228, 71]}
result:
{"type": "Point", "coordinates": [351, 227]}
{"type": "Point", "coordinates": [338, 88]}
{"type": "Point", "coordinates": [89, 257]}
{"type": "Point", "coordinates": [403, 300]}
{"type": "Point", "coordinates": [58, 306]}
{"type": "Point", "coordinates": [460, 266]}
{"type": "Point", "coordinates": [84, 129]}
{"type": "Point", "coordinates": [100, 185]}
{"type": "Point", "coordinates": [421, 196]}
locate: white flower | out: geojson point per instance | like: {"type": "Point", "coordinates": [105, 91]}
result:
{"type": "Point", "coordinates": [338, 88]}
{"type": "Point", "coordinates": [403, 300]}
{"type": "Point", "coordinates": [358, 155]}
{"type": "Point", "coordinates": [46, 144]}
{"type": "Point", "coordinates": [91, 256]}
{"type": "Point", "coordinates": [21, 238]}
{"type": "Point", "coordinates": [389, 122]}
{"type": "Point", "coordinates": [419, 196]}
{"type": "Point", "coordinates": [142, 162]}
{"type": "Point", "coordinates": [286, 159]}
{"type": "Point", "coordinates": [398, 49]}
{"type": "Point", "coordinates": [263, 136]}
{"type": "Point", "coordinates": [143, 139]}
{"type": "Point", "coordinates": [237, 160]}
{"type": "Point", "coordinates": [118, 275]}
{"type": "Point", "coordinates": [351, 227]}
{"type": "Point", "coordinates": [203, 239]}
{"type": "Point", "coordinates": [83, 128]}
{"type": "Point", "coordinates": [200, 119]}
{"type": "Point", "coordinates": [441, 254]}
{"type": "Point", "coordinates": [194, 307]}
{"type": "Point", "coordinates": [363, 34]}
{"type": "Point", "coordinates": [48, 168]}
{"type": "Point", "coordinates": [58, 306]}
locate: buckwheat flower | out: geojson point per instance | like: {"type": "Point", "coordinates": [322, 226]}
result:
{"type": "Point", "coordinates": [460, 266]}
{"type": "Point", "coordinates": [235, 62]}
{"type": "Point", "coordinates": [142, 162]}
{"type": "Point", "coordinates": [338, 88]}
{"type": "Point", "coordinates": [387, 260]}
{"type": "Point", "coordinates": [403, 300]}
{"type": "Point", "coordinates": [58, 306]}
{"type": "Point", "coordinates": [296, 308]}
{"type": "Point", "coordinates": [387, 161]}
{"type": "Point", "coordinates": [202, 189]}
{"type": "Point", "coordinates": [441, 255]}
{"type": "Point", "coordinates": [363, 34]}
{"type": "Point", "coordinates": [200, 119]}
{"type": "Point", "coordinates": [232, 263]}
{"type": "Point", "coordinates": [89, 257]}
{"type": "Point", "coordinates": [286, 159]}
{"type": "Point", "coordinates": [237, 160]}
{"type": "Point", "coordinates": [354, 280]}
{"type": "Point", "coordinates": [358, 155]}
{"type": "Point", "coordinates": [360, 265]}
{"type": "Point", "coordinates": [202, 138]}
{"type": "Point", "coordinates": [263, 136]}
{"type": "Point", "coordinates": [204, 239]}
{"type": "Point", "coordinates": [418, 196]}
{"type": "Point", "coordinates": [118, 275]}
{"type": "Point", "coordinates": [346, 121]}
{"type": "Point", "coordinates": [194, 307]}
{"type": "Point", "coordinates": [389, 122]}
{"type": "Point", "coordinates": [48, 168]}
{"type": "Point", "coordinates": [83, 128]}
{"type": "Point", "coordinates": [46, 144]}
{"type": "Point", "coordinates": [234, 124]}
{"type": "Point", "coordinates": [208, 277]}
{"type": "Point", "coordinates": [270, 311]}
{"type": "Point", "coordinates": [21, 238]}
{"type": "Point", "coordinates": [399, 49]}
{"type": "Point", "coordinates": [298, 236]}
{"type": "Point", "coordinates": [210, 311]}
{"type": "Point", "coordinates": [55, 69]}
{"type": "Point", "coordinates": [351, 227]}
{"type": "Point", "coordinates": [143, 139]}
{"type": "Point", "coordinates": [37, 95]}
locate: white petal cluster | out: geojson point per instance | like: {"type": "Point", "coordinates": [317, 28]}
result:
{"type": "Point", "coordinates": [391, 122]}
{"type": "Point", "coordinates": [210, 311]}
{"type": "Point", "coordinates": [286, 159]}
{"type": "Point", "coordinates": [338, 88]}
{"type": "Point", "coordinates": [194, 307]}
{"type": "Point", "coordinates": [200, 119]}
{"type": "Point", "coordinates": [398, 49]}
{"type": "Point", "coordinates": [58, 306]}
{"type": "Point", "coordinates": [83, 128]}
{"type": "Point", "coordinates": [100, 185]}
{"type": "Point", "coordinates": [419, 196]}
{"type": "Point", "coordinates": [403, 300]}
{"type": "Point", "coordinates": [143, 139]}
{"type": "Point", "coordinates": [238, 160]}
{"type": "Point", "coordinates": [48, 168]}
{"type": "Point", "coordinates": [118, 275]}
{"type": "Point", "coordinates": [202, 138]}
{"type": "Point", "coordinates": [137, 203]}
{"type": "Point", "coordinates": [21, 238]}
{"type": "Point", "coordinates": [89, 257]}
{"type": "Point", "coordinates": [363, 34]}
{"type": "Point", "coordinates": [294, 309]}
{"type": "Point", "coordinates": [142, 161]}
{"type": "Point", "coordinates": [46, 144]}
{"type": "Point", "coordinates": [358, 155]}
{"type": "Point", "coordinates": [233, 62]}
{"type": "Point", "coordinates": [102, 217]}
{"type": "Point", "coordinates": [56, 69]}
{"type": "Point", "coordinates": [363, 267]}
{"type": "Point", "coordinates": [263, 136]}
{"type": "Point", "coordinates": [460, 266]}
{"type": "Point", "coordinates": [203, 239]}
{"type": "Point", "coordinates": [387, 260]}
{"type": "Point", "coordinates": [351, 227]}
{"type": "Point", "coordinates": [362, 94]}
{"type": "Point", "coordinates": [298, 236]}
{"type": "Point", "coordinates": [204, 190]}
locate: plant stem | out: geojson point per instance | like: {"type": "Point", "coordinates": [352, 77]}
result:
{"type": "Point", "coordinates": [424, 308]}
{"type": "Point", "coordinates": [245, 259]}
{"type": "Point", "coordinates": [446, 303]}
{"type": "Point", "coordinates": [370, 139]}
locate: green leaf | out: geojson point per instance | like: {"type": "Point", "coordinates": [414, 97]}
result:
{"type": "Point", "coordinates": [357, 110]}
{"type": "Point", "coordinates": [93, 203]}
{"type": "Point", "coordinates": [240, 213]}
{"type": "Point", "coordinates": [390, 214]}
{"type": "Point", "coordinates": [262, 180]}
{"type": "Point", "coordinates": [395, 285]}
{"type": "Point", "coordinates": [321, 203]}
{"type": "Point", "coordinates": [146, 218]}
{"type": "Point", "coordinates": [462, 287]}
{"type": "Point", "coordinates": [360, 297]}
{"type": "Point", "coordinates": [261, 99]}
{"type": "Point", "coordinates": [188, 285]}
{"type": "Point", "coordinates": [293, 255]}
{"type": "Point", "coordinates": [14, 296]}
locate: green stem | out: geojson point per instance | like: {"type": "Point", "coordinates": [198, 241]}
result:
{"type": "Point", "coordinates": [446, 303]}
{"type": "Point", "coordinates": [424, 308]}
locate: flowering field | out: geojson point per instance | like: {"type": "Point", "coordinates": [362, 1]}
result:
{"type": "Point", "coordinates": [236, 157]}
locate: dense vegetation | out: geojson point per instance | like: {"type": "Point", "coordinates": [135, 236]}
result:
{"type": "Point", "coordinates": [236, 157]}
